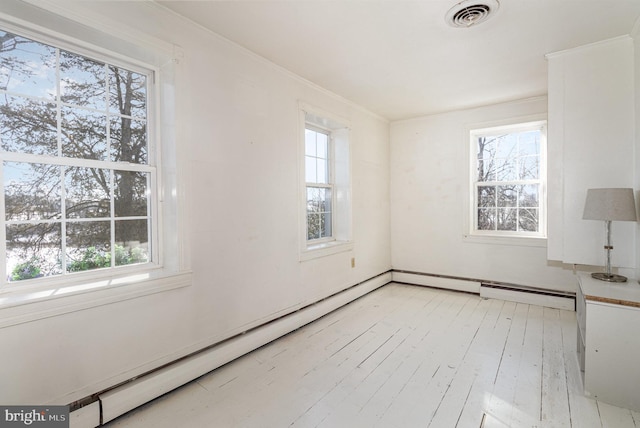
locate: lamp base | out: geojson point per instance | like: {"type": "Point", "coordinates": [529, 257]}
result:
{"type": "Point", "coordinates": [609, 277]}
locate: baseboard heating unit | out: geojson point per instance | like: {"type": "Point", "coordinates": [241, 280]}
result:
{"type": "Point", "coordinates": [531, 295]}
{"type": "Point", "coordinates": [490, 290]}
{"type": "Point", "coordinates": [437, 281]}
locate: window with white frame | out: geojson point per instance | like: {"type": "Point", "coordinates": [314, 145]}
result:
{"type": "Point", "coordinates": [327, 184]}
{"type": "Point", "coordinates": [508, 171]}
{"type": "Point", "coordinates": [319, 187]}
{"type": "Point", "coordinates": [78, 171]}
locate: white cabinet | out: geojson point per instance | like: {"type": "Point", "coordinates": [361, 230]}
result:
{"type": "Point", "coordinates": [609, 340]}
{"type": "Point", "coordinates": [591, 101]}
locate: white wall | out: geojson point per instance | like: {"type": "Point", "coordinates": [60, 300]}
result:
{"type": "Point", "coordinates": [237, 136]}
{"type": "Point", "coordinates": [429, 187]}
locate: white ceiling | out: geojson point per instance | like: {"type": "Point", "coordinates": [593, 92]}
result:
{"type": "Point", "coordinates": [399, 58]}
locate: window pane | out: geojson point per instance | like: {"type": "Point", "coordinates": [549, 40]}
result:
{"type": "Point", "coordinates": [33, 250]}
{"type": "Point", "coordinates": [88, 245]}
{"type": "Point", "coordinates": [506, 219]}
{"type": "Point", "coordinates": [127, 92]}
{"type": "Point", "coordinates": [507, 196]}
{"type": "Point", "coordinates": [82, 81]}
{"type": "Point", "coordinates": [84, 134]}
{"type": "Point", "coordinates": [507, 145]}
{"type": "Point", "coordinates": [325, 225]}
{"type": "Point", "coordinates": [486, 169]}
{"type": "Point", "coordinates": [486, 196]}
{"type": "Point", "coordinates": [31, 191]}
{"type": "Point", "coordinates": [309, 142]}
{"type": "Point", "coordinates": [325, 204]}
{"type": "Point", "coordinates": [132, 242]}
{"type": "Point", "coordinates": [529, 143]}
{"type": "Point", "coordinates": [313, 226]}
{"type": "Point", "coordinates": [486, 219]}
{"type": "Point", "coordinates": [528, 219]}
{"type": "Point", "coordinates": [322, 142]}
{"type": "Point", "coordinates": [528, 196]}
{"type": "Point", "coordinates": [131, 193]}
{"type": "Point", "coordinates": [28, 126]}
{"type": "Point", "coordinates": [128, 140]}
{"type": "Point", "coordinates": [325, 216]}
{"type": "Point", "coordinates": [322, 171]}
{"type": "Point", "coordinates": [319, 226]}
{"type": "Point", "coordinates": [310, 172]}
{"type": "Point", "coordinates": [87, 191]}
{"type": "Point", "coordinates": [529, 168]}
{"type": "Point", "coordinates": [505, 169]}
{"type": "Point", "coordinates": [318, 199]}
{"type": "Point", "coordinates": [486, 164]}
{"type": "Point", "coordinates": [318, 212]}
{"type": "Point", "coordinates": [317, 157]}
{"type": "Point", "coordinates": [27, 67]}
{"type": "Point", "coordinates": [486, 147]}
{"type": "Point", "coordinates": [313, 196]}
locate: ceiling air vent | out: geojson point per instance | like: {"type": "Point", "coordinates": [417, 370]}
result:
{"type": "Point", "coordinates": [471, 12]}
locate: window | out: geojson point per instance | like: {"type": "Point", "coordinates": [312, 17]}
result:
{"type": "Point", "coordinates": [508, 180]}
{"type": "Point", "coordinates": [319, 184]}
{"type": "Point", "coordinates": [326, 186]}
{"type": "Point", "coordinates": [78, 174]}
{"type": "Point", "coordinates": [93, 211]}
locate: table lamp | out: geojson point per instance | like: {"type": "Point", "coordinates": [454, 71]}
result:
{"type": "Point", "coordinates": [613, 204]}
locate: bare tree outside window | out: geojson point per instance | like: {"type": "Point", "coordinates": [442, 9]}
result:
{"type": "Point", "coordinates": [75, 161]}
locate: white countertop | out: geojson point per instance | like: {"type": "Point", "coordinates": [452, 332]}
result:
{"type": "Point", "coordinates": [618, 293]}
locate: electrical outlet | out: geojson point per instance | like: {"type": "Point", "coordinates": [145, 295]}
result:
{"type": "Point", "coordinates": [353, 262]}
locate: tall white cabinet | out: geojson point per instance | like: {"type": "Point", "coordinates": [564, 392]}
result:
{"type": "Point", "coordinates": [609, 340]}
{"type": "Point", "coordinates": [591, 138]}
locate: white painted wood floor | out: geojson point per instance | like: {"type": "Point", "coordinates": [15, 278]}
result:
{"type": "Point", "coordinates": [402, 356]}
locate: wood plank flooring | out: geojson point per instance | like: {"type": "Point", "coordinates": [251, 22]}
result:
{"type": "Point", "coordinates": [402, 356]}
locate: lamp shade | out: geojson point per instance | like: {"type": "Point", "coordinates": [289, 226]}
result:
{"type": "Point", "coordinates": [617, 204]}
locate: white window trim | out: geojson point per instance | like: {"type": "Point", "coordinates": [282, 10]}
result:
{"type": "Point", "coordinates": [32, 300]}
{"type": "Point", "coordinates": [341, 240]}
{"type": "Point", "coordinates": [470, 235]}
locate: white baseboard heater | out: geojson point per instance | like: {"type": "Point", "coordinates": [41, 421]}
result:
{"type": "Point", "coordinates": [490, 290]}
{"type": "Point", "coordinates": [436, 281]}
{"type": "Point", "coordinates": [106, 406]}
{"type": "Point", "coordinates": [531, 295]}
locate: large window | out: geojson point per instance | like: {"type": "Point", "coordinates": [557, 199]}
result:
{"type": "Point", "coordinates": [78, 175]}
{"type": "Point", "coordinates": [326, 191]}
{"type": "Point", "coordinates": [508, 180]}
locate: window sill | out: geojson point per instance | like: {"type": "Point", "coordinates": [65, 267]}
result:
{"type": "Point", "coordinates": [19, 306]}
{"type": "Point", "coordinates": [325, 249]}
{"type": "Point", "coordinates": [518, 241]}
